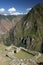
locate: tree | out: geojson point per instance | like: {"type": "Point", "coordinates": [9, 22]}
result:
{"type": "Point", "coordinates": [7, 42]}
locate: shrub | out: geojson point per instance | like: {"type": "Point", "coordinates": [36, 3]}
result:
{"type": "Point", "coordinates": [7, 42]}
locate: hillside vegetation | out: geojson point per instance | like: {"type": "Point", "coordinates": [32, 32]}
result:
{"type": "Point", "coordinates": [29, 31]}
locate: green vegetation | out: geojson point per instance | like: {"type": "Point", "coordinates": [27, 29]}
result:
{"type": "Point", "coordinates": [22, 54]}
{"type": "Point", "coordinates": [31, 26]}
{"type": "Point", "coordinates": [7, 42]}
{"type": "Point", "coordinates": [3, 59]}
{"type": "Point", "coordinates": [13, 48]}
{"type": "Point", "coordinates": [40, 59]}
{"type": "Point", "coordinates": [2, 49]}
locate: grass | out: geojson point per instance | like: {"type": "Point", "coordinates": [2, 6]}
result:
{"type": "Point", "coordinates": [40, 59]}
{"type": "Point", "coordinates": [13, 48]}
{"type": "Point", "coordinates": [2, 48]}
{"type": "Point", "coordinates": [3, 59]}
{"type": "Point", "coordinates": [30, 63]}
{"type": "Point", "coordinates": [8, 62]}
{"type": "Point", "coordinates": [23, 55]}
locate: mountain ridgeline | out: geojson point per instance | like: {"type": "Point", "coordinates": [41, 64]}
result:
{"type": "Point", "coordinates": [28, 31]}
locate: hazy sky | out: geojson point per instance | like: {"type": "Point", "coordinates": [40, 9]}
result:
{"type": "Point", "coordinates": [17, 6]}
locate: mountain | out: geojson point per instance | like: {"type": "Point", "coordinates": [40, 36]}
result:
{"type": "Point", "coordinates": [29, 31]}
{"type": "Point", "coordinates": [7, 22]}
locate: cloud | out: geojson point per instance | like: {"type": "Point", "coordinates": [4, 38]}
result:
{"type": "Point", "coordinates": [2, 9]}
{"type": "Point", "coordinates": [11, 10]}
{"type": "Point", "coordinates": [28, 9]}
{"type": "Point", "coordinates": [16, 13]}
{"type": "Point", "coordinates": [5, 14]}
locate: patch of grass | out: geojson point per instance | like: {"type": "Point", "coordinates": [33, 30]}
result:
{"type": "Point", "coordinates": [8, 62]}
{"type": "Point", "coordinates": [2, 48]}
{"type": "Point", "coordinates": [4, 60]}
{"type": "Point", "coordinates": [22, 54]}
{"type": "Point", "coordinates": [30, 63]}
{"type": "Point", "coordinates": [13, 48]}
{"type": "Point", "coordinates": [40, 59]}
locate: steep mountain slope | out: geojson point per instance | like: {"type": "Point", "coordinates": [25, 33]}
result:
{"type": "Point", "coordinates": [35, 27]}
{"type": "Point", "coordinates": [8, 22]}
{"type": "Point", "coordinates": [29, 31]}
